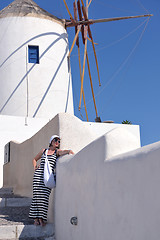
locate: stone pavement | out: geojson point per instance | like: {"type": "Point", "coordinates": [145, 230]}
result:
{"type": "Point", "coordinates": [14, 221]}
{"type": "Point", "coordinates": [14, 215]}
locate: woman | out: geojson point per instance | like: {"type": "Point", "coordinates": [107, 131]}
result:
{"type": "Point", "coordinates": [39, 206]}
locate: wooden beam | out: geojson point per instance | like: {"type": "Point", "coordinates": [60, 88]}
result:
{"type": "Point", "coordinates": [89, 3]}
{"type": "Point", "coordinates": [82, 78]}
{"type": "Point", "coordinates": [92, 21]}
{"type": "Point", "coordinates": [75, 38]}
{"type": "Point", "coordinates": [67, 9]}
{"type": "Point", "coordinates": [76, 19]}
{"type": "Point", "coordinates": [118, 18]}
{"type": "Point", "coordinates": [80, 17]}
{"type": "Point", "coordinates": [89, 71]}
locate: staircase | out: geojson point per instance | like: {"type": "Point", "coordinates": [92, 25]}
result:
{"type": "Point", "coordinates": [14, 221]}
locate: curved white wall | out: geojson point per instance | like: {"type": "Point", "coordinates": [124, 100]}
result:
{"type": "Point", "coordinates": [115, 199]}
{"type": "Point", "coordinates": [49, 83]}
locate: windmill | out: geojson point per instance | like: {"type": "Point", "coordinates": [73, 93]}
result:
{"type": "Point", "coordinates": [81, 23]}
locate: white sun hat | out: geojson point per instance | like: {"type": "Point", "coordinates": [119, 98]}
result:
{"type": "Point", "coordinates": [54, 136]}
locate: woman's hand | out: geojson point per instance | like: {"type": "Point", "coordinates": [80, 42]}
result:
{"type": "Point", "coordinates": [36, 167]}
{"type": "Point", "coordinates": [70, 152]}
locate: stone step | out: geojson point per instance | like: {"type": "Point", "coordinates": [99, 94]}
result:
{"type": "Point", "coordinates": [12, 232]}
{"type": "Point", "coordinates": [9, 199]}
{"type": "Point", "coordinates": [15, 202]}
{"type": "Point", "coordinates": [14, 220]}
{"type": "Point", "coordinates": [6, 192]}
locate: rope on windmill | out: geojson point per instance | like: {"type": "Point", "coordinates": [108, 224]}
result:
{"type": "Point", "coordinates": [123, 64]}
{"type": "Point", "coordinates": [115, 42]}
{"type": "Point", "coordinates": [104, 3]}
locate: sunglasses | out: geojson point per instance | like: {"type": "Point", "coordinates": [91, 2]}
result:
{"type": "Point", "coordinates": [56, 140]}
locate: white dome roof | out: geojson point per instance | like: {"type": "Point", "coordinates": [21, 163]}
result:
{"type": "Point", "coordinates": [27, 8]}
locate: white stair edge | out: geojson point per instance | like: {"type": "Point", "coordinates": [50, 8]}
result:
{"type": "Point", "coordinates": [26, 231]}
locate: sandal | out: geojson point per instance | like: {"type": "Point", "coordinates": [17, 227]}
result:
{"type": "Point", "coordinates": [36, 222]}
{"type": "Point", "coordinates": [42, 223]}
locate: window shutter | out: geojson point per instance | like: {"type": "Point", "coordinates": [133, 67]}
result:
{"type": "Point", "coordinates": [33, 54]}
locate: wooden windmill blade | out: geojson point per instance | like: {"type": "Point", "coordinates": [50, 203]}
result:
{"type": "Point", "coordinates": [84, 38]}
{"type": "Point", "coordinates": [89, 3]}
{"type": "Point", "coordinates": [94, 101]}
{"type": "Point", "coordinates": [76, 40]}
{"type": "Point", "coordinates": [90, 35]}
{"type": "Point", "coordinates": [79, 59]}
{"type": "Point", "coordinates": [67, 9]}
{"type": "Point", "coordinates": [84, 61]}
{"type": "Point", "coordinates": [76, 19]}
{"type": "Point", "coordinates": [84, 31]}
{"type": "Point", "coordinates": [85, 13]}
{"type": "Point", "coordinates": [74, 23]}
{"type": "Point", "coordinates": [92, 21]}
{"type": "Point", "coordinates": [81, 19]}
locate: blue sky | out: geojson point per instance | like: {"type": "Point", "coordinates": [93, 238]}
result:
{"type": "Point", "coordinates": [128, 53]}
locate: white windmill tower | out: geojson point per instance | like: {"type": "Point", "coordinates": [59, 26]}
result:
{"type": "Point", "coordinates": [34, 70]}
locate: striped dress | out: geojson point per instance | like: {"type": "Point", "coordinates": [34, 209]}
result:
{"type": "Point", "coordinates": [39, 205]}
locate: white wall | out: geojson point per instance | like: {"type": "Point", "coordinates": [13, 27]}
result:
{"type": "Point", "coordinates": [100, 129]}
{"type": "Point", "coordinates": [113, 199]}
{"type": "Point", "coordinates": [15, 129]}
{"type": "Point", "coordinates": [76, 134]}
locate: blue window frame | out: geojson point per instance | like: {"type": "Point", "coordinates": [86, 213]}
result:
{"type": "Point", "coordinates": [33, 54]}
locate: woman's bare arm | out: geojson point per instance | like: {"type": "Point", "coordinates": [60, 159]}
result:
{"type": "Point", "coordinates": [37, 157]}
{"type": "Point", "coordinates": [64, 152]}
